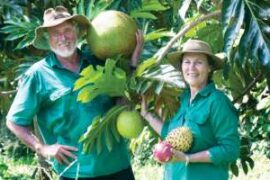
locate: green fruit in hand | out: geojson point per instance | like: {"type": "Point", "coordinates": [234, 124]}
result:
{"type": "Point", "coordinates": [112, 33]}
{"type": "Point", "coordinates": [129, 124]}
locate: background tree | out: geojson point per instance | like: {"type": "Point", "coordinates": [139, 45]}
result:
{"type": "Point", "coordinates": [240, 28]}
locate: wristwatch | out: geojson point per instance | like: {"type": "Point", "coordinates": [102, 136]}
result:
{"type": "Point", "coordinates": [187, 159]}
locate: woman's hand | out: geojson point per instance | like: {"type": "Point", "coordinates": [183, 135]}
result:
{"type": "Point", "coordinates": [62, 153]}
{"type": "Point", "coordinates": [138, 49]}
{"type": "Point", "coordinates": [179, 156]}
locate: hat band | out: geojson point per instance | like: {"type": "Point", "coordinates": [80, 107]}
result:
{"type": "Point", "coordinates": [59, 16]}
{"type": "Point", "coordinates": [55, 19]}
{"type": "Point", "coordinates": [196, 49]}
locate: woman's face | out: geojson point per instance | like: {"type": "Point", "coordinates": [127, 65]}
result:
{"type": "Point", "coordinates": [195, 69]}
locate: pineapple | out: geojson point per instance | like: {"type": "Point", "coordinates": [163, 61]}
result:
{"type": "Point", "coordinates": [180, 138]}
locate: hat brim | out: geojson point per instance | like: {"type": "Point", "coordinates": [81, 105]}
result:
{"type": "Point", "coordinates": [41, 41]}
{"type": "Point", "coordinates": [174, 58]}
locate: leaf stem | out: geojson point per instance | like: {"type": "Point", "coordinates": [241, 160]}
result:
{"type": "Point", "coordinates": [185, 30]}
{"type": "Point", "coordinates": [249, 87]}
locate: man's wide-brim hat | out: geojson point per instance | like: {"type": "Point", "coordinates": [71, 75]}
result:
{"type": "Point", "coordinates": [195, 46]}
{"type": "Point", "coordinates": [53, 17]}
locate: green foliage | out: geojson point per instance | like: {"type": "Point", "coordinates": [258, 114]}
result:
{"type": "Point", "coordinates": [245, 160]}
{"type": "Point", "coordinates": [141, 148]}
{"type": "Point", "coordinates": [255, 40]}
{"type": "Point", "coordinates": [161, 84]}
{"type": "Point", "coordinates": [8, 167]}
{"type": "Point", "coordinates": [3, 169]}
{"type": "Point", "coordinates": [144, 11]}
{"type": "Point", "coordinates": [102, 128]}
{"type": "Point", "coordinates": [10, 8]}
{"type": "Point", "coordinates": [159, 33]}
{"type": "Point", "coordinates": [255, 121]}
{"type": "Point", "coordinates": [91, 8]}
{"type": "Point", "coordinates": [164, 73]}
{"type": "Point", "coordinates": [239, 78]}
{"type": "Point", "coordinates": [245, 26]}
{"type": "Point", "coordinates": [21, 29]}
{"type": "Point", "coordinates": [108, 80]}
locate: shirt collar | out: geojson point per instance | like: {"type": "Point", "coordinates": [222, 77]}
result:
{"type": "Point", "coordinates": [53, 62]}
{"type": "Point", "coordinates": [207, 89]}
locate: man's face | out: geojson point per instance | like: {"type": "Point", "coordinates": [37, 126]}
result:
{"type": "Point", "coordinates": [63, 39]}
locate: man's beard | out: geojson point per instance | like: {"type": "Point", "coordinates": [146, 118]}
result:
{"type": "Point", "coordinates": [67, 52]}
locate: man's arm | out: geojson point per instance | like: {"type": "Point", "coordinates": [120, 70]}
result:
{"type": "Point", "coordinates": [25, 134]}
{"type": "Point", "coordinates": [61, 152]}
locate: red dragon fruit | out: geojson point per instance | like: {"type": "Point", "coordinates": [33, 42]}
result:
{"type": "Point", "coordinates": [162, 151]}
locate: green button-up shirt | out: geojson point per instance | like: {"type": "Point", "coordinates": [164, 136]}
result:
{"type": "Point", "coordinates": [213, 121]}
{"type": "Point", "coordinates": [46, 91]}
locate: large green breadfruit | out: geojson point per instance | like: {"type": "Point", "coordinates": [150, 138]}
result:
{"type": "Point", "coordinates": [129, 124]}
{"type": "Point", "coordinates": [112, 33]}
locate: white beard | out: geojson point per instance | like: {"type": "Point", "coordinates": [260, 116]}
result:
{"type": "Point", "coordinates": [67, 52]}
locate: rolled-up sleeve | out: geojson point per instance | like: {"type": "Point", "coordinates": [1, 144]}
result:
{"type": "Point", "coordinates": [25, 103]}
{"type": "Point", "coordinates": [224, 121]}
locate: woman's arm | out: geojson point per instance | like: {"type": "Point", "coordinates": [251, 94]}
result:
{"type": "Point", "coordinates": [199, 157]}
{"type": "Point", "coordinates": [153, 121]}
{"type": "Point", "coordinates": [224, 122]}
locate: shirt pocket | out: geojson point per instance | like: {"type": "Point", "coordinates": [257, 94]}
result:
{"type": "Point", "coordinates": [177, 121]}
{"type": "Point", "coordinates": [57, 94]}
{"type": "Point", "coordinates": [55, 109]}
{"type": "Point", "coordinates": [199, 125]}
{"type": "Point", "coordinates": [199, 118]}
{"type": "Point", "coordinates": [59, 100]}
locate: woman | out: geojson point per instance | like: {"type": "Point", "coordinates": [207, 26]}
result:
{"type": "Point", "coordinates": [207, 112]}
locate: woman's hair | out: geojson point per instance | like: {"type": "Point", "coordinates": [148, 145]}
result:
{"type": "Point", "coordinates": [211, 63]}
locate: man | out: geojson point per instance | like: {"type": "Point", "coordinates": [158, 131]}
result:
{"type": "Point", "coordinates": [45, 91]}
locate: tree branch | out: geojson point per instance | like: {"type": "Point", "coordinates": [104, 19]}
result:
{"type": "Point", "coordinates": [4, 93]}
{"type": "Point", "coordinates": [249, 87]}
{"type": "Point", "coordinates": [184, 31]}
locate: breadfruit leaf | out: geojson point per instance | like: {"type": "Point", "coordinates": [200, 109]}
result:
{"type": "Point", "coordinates": [253, 16]}
{"type": "Point", "coordinates": [162, 84]}
{"type": "Point", "coordinates": [101, 129]}
{"type": "Point", "coordinates": [109, 80]}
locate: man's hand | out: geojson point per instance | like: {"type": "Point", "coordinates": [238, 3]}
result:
{"type": "Point", "coordinates": [62, 153]}
{"type": "Point", "coordinates": [138, 49]}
